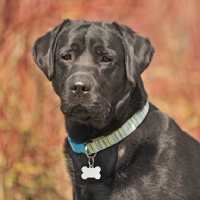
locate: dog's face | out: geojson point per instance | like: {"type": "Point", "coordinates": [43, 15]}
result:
{"type": "Point", "coordinates": [89, 70]}
{"type": "Point", "coordinates": [92, 66]}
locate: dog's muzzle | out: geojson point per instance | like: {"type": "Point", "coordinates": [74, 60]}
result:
{"type": "Point", "coordinates": [80, 99]}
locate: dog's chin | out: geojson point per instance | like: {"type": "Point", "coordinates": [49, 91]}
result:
{"type": "Point", "coordinates": [86, 120]}
{"type": "Point", "coordinates": [82, 115]}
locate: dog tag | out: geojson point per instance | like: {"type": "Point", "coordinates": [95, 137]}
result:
{"type": "Point", "coordinates": [91, 172]}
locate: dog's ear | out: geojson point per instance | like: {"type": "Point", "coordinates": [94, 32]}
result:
{"type": "Point", "coordinates": [44, 49]}
{"type": "Point", "coordinates": [138, 53]}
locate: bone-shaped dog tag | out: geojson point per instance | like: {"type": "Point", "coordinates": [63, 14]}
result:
{"type": "Point", "coordinates": [91, 172]}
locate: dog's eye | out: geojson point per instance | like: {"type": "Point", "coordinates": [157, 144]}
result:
{"type": "Point", "coordinates": [105, 59]}
{"type": "Point", "coordinates": [67, 57]}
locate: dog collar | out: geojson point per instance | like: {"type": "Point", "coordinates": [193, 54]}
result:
{"type": "Point", "coordinates": [104, 142]}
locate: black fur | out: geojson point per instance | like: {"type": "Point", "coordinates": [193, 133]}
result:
{"type": "Point", "coordinates": [95, 69]}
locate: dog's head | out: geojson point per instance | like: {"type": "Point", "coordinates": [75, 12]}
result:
{"type": "Point", "coordinates": [91, 66]}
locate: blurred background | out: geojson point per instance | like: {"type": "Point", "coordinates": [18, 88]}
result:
{"type": "Point", "coordinates": [32, 132]}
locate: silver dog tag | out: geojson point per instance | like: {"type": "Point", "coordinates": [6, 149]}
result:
{"type": "Point", "coordinates": [91, 172]}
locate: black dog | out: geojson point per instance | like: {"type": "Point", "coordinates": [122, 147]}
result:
{"type": "Point", "coordinates": [95, 69]}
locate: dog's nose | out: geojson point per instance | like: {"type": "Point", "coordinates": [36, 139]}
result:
{"type": "Point", "coordinates": [80, 87]}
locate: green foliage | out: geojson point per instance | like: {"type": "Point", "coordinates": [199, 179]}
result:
{"type": "Point", "coordinates": [32, 130]}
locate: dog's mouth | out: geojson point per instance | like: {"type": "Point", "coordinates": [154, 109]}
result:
{"type": "Point", "coordinates": [84, 117]}
{"type": "Point", "coordinates": [84, 114]}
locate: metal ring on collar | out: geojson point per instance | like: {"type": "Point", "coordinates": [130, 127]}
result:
{"type": "Point", "coordinates": [86, 153]}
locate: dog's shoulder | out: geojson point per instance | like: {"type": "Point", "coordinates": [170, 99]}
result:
{"type": "Point", "coordinates": [164, 154]}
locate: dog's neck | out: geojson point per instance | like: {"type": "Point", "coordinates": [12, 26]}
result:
{"type": "Point", "coordinates": [134, 101]}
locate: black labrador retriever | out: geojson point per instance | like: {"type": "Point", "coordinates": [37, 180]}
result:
{"type": "Point", "coordinates": [120, 146]}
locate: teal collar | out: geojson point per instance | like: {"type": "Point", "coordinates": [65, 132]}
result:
{"type": "Point", "coordinates": [104, 142]}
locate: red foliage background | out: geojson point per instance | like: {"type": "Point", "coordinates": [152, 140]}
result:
{"type": "Point", "coordinates": [32, 131]}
